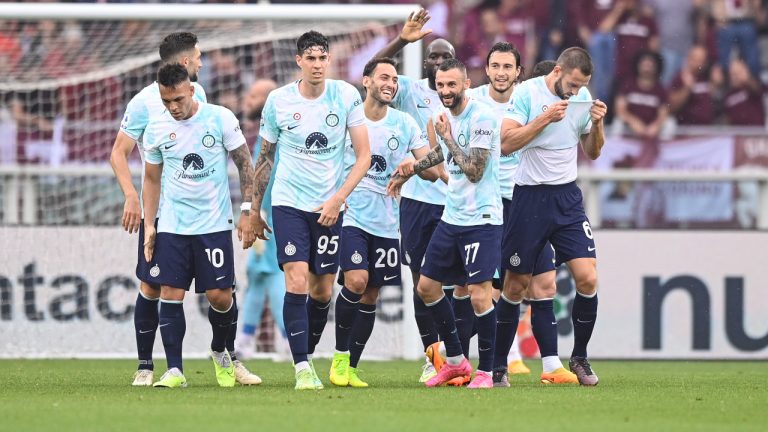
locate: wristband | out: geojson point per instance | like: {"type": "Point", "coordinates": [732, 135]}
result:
{"type": "Point", "coordinates": [245, 206]}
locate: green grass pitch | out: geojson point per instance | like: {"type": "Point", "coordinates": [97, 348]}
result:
{"type": "Point", "coordinates": [93, 395]}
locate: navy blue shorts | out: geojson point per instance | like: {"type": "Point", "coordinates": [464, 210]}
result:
{"type": "Point", "coordinates": [542, 213]}
{"type": "Point", "coordinates": [142, 266]}
{"type": "Point", "coordinates": [418, 221]}
{"type": "Point", "coordinates": [379, 255]}
{"type": "Point", "coordinates": [545, 261]}
{"type": "Point", "coordinates": [300, 238]}
{"type": "Point", "coordinates": [459, 255]}
{"type": "Point", "coordinates": [206, 258]}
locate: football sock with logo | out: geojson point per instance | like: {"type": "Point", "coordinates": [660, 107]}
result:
{"type": "Point", "coordinates": [486, 337]}
{"type": "Point", "coordinates": [347, 304]}
{"type": "Point", "coordinates": [544, 326]}
{"type": "Point", "coordinates": [173, 326]}
{"type": "Point", "coordinates": [442, 314]}
{"type": "Point", "coordinates": [465, 321]}
{"type": "Point", "coordinates": [145, 319]}
{"type": "Point", "coordinates": [233, 329]}
{"type": "Point", "coordinates": [583, 316]}
{"type": "Point", "coordinates": [424, 321]}
{"type": "Point", "coordinates": [296, 325]}
{"type": "Point", "coordinates": [317, 314]}
{"type": "Point", "coordinates": [361, 331]}
{"type": "Point", "coordinates": [507, 318]}
{"type": "Point", "coordinates": [221, 321]}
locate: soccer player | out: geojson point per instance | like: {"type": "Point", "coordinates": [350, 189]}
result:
{"type": "Point", "coordinates": [305, 122]}
{"type": "Point", "coordinates": [422, 202]}
{"type": "Point", "coordinates": [547, 204]}
{"type": "Point", "coordinates": [465, 247]}
{"type": "Point", "coordinates": [182, 48]}
{"type": "Point", "coordinates": [370, 239]}
{"type": "Point", "coordinates": [187, 148]}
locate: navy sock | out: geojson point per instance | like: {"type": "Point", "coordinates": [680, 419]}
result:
{"type": "Point", "coordinates": [424, 321]}
{"type": "Point", "coordinates": [442, 314]}
{"type": "Point", "coordinates": [173, 326]}
{"type": "Point", "coordinates": [465, 321]}
{"type": "Point", "coordinates": [486, 337]}
{"type": "Point", "coordinates": [317, 314]}
{"type": "Point", "coordinates": [363, 327]}
{"type": "Point", "coordinates": [233, 329]}
{"type": "Point", "coordinates": [145, 319]}
{"type": "Point", "coordinates": [347, 304]}
{"type": "Point", "coordinates": [583, 316]}
{"type": "Point", "coordinates": [507, 318]}
{"type": "Point", "coordinates": [296, 325]}
{"type": "Point", "coordinates": [221, 321]}
{"type": "Point", "coordinates": [544, 326]}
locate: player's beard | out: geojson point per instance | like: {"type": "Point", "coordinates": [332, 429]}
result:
{"type": "Point", "coordinates": [502, 90]}
{"type": "Point", "coordinates": [559, 90]}
{"type": "Point", "coordinates": [193, 77]}
{"type": "Point", "coordinates": [458, 98]}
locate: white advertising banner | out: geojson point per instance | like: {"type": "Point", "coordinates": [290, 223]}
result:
{"type": "Point", "coordinates": [69, 292]}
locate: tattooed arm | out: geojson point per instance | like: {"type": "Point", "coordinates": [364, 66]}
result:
{"type": "Point", "coordinates": [242, 159]}
{"type": "Point", "coordinates": [433, 158]}
{"type": "Point", "coordinates": [472, 164]}
{"type": "Point", "coordinates": [264, 165]}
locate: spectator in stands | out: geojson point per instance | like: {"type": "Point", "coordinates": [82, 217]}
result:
{"type": "Point", "coordinates": [597, 25]}
{"type": "Point", "coordinates": [225, 80]}
{"type": "Point", "coordinates": [34, 112]}
{"type": "Point", "coordinates": [550, 22]}
{"type": "Point", "coordinates": [641, 103]}
{"type": "Point", "coordinates": [675, 21]}
{"type": "Point", "coordinates": [253, 104]}
{"type": "Point", "coordinates": [694, 90]}
{"type": "Point", "coordinates": [744, 101]}
{"type": "Point", "coordinates": [491, 30]}
{"type": "Point", "coordinates": [737, 25]}
{"type": "Point", "coordinates": [635, 31]}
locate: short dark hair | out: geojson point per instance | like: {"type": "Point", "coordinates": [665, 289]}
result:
{"type": "Point", "coordinates": [371, 65]}
{"type": "Point", "coordinates": [172, 74]}
{"type": "Point", "coordinates": [646, 53]}
{"type": "Point", "coordinates": [175, 44]}
{"type": "Point", "coordinates": [504, 47]}
{"type": "Point", "coordinates": [452, 63]}
{"type": "Point", "coordinates": [542, 68]}
{"type": "Point", "coordinates": [309, 40]}
{"type": "Point", "coordinates": [575, 58]}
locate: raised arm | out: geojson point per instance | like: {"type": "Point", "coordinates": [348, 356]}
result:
{"type": "Point", "coordinates": [241, 156]}
{"type": "Point", "coordinates": [121, 149]}
{"type": "Point", "coordinates": [151, 198]}
{"type": "Point", "coordinates": [515, 136]}
{"type": "Point", "coordinates": [411, 32]}
{"type": "Point", "coordinates": [264, 165]}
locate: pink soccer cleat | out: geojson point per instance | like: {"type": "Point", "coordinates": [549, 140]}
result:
{"type": "Point", "coordinates": [482, 380]}
{"type": "Point", "coordinates": [448, 372]}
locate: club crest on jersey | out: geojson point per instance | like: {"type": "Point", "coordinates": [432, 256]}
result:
{"type": "Point", "coordinates": [332, 120]}
{"type": "Point", "coordinates": [316, 141]}
{"type": "Point", "coordinates": [290, 249]}
{"type": "Point", "coordinates": [514, 260]}
{"type": "Point", "coordinates": [393, 143]}
{"type": "Point", "coordinates": [154, 271]}
{"type": "Point", "coordinates": [356, 258]}
{"type": "Point", "coordinates": [462, 140]}
{"type": "Point", "coordinates": [208, 141]}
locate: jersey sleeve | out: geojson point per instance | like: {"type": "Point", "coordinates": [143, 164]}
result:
{"type": "Point", "coordinates": [135, 119]}
{"type": "Point", "coordinates": [404, 84]}
{"type": "Point", "coordinates": [483, 130]}
{"type": "Point", "coordinates": [200, 95]}
{"type": "Point", "coordinates": [354, 105]}
{"type": "Point", "coordinates": [152, 153]}
{"type": "Point", "coordinates": [232, 134]}
{"type": "Point", "coordinates": [520, 108]}
{"type": "Point", "coordinates": [416, 137]}
{"type": "Point", "coordinates": [269, 129]}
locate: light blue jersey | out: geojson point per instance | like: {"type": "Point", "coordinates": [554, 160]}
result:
{"type": "Point", "coordinates": [467, 203]}
{"type": "Point", "coordinates": [195, 184]}
{"type": "Point", "coordinates": [421, 102]}
{"type": "Point", "coordinates": [392, 140]}
{"type": "Point", "coordinates": [550, 158]}
{"type": "Point", "coordinates": [144, 106]}
{"type": "Point", "coordinates": [508, 163]}
{"type": "Point", "coordinates": [310, 136]}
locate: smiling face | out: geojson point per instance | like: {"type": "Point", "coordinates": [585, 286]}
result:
{"type": "Point", "coordinates": [451, 85]}
{"type": "Point", "coordinates": [502, 71]}
{"type": "Point", "coordinates": [382, 85]}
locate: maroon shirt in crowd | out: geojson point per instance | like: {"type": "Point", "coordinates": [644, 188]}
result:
{"type": "Point", "coordinates": [633, 33]}
{"type": "Point", "coordinates": [744, 107]}
{"type": "Point", "coordinates": [643, 104]}
{"type": "Point", "coordinates": [593, 12]}
{"type": "Point", "coordinates": [699, 109]}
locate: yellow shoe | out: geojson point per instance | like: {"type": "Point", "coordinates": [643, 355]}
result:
{"type": "Point", "coordinates": [559, 376]}
{"type": "Point", "coordinates": [340, 370]}
{"type": "Point", "coordinates": [517, 367]}
{"type": "Point", "coordinates": [354, 380]}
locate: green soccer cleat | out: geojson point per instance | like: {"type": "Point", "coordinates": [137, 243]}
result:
{"type": "Point", "coordinates": [305, 380]}
{"type": "Point", "coordinates": [340, 370]}
{"type": "Point", "coordinates": [354, 380]}
{"type": "Point", "coordinates": [318, 383]}
{"type": "Point", "coordinates": [172, 378]}
{"type": "Point", "coordinates": [427, 371]}
{"type": "Point", "coordinates": [225, 369]}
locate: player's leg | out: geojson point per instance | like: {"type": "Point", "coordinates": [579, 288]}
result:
{"type": "Point", "coordinates": [145, 317]}
{"type": "Point", "coordinates": [361, 332]}
{"type": "Point", "coordinates": [220, 315]}
{"type": "Point", "coordinates": [443, 264]}
{"type": "Point", "coordinates": [465, 316]}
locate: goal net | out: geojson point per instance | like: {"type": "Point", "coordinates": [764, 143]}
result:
{"type": "Point", "coordinates": [66, 74]}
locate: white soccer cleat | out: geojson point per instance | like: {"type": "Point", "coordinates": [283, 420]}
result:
{"type": "Point", "coordinates": [244, 376]}
{"type": "Point", "coordinates": [143, 378]}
